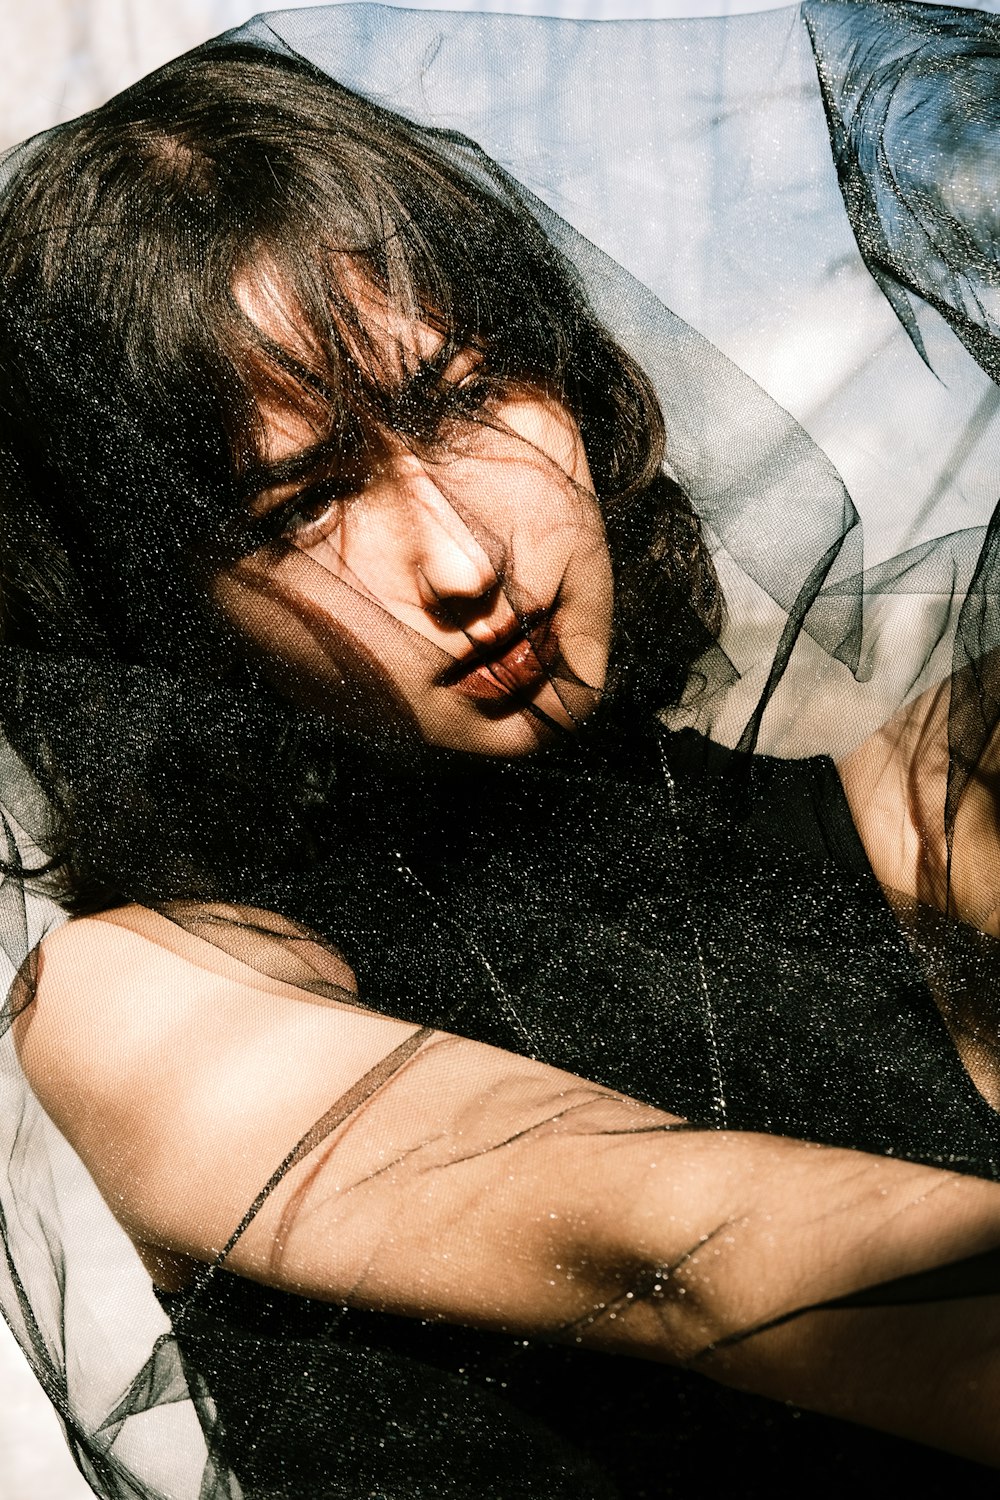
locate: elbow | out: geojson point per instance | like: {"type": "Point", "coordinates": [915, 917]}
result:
{"type": "Point", "coordinates": [658, 1307]}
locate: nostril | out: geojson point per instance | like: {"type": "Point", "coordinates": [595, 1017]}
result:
{"type": "Point", "coordinates": [455, 575]}
{"type": "Point", "coordinates": [458, 562]}
{"type": "Point", "coordinates": [457, 610]}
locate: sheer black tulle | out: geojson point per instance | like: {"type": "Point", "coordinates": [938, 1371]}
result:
{"type": "Point", "coordinates": [643, 904]}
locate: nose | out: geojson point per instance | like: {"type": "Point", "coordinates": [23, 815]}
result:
{"type": "Point", "coordinates": [454, 572]}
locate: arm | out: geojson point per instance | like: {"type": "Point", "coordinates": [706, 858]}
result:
{"type": "Point", "coordinates": [464, 1183]}
{"type": "Point", "coordinates": [896, 784]}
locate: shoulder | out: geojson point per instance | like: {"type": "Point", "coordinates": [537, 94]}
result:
{"type": "Point", "coordinates": [109, 1037]}
{"type": "Point", "coordinates": [128, 990]}
{"type": "Point", "coordinates": [137, 1021]}
{"type": "Point", "coordinates": [144, 1042]}
{"type": "Point", "coordinates": [90, 964]}
{"type": "Point", "coordinates": [107, 990]}
{"type": "Point", "coordinates": [145, 971]}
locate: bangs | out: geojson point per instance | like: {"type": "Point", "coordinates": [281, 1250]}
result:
{"type": "Point", "coordinates": [234, 168]}
{"type": "Point", "coordinates": [379, 251]}
{"type": "Point", "coordinates": [360, 327]}
{"type": "Point", "coordinates": [366, 332]}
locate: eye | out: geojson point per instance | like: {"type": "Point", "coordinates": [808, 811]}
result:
{"type": "Point", "coordinates": [461, 403]}
{"type": "Point", "coordinates": [315, 511]}
{"type": "Point", "coordinates": [303, 513]}
{"type": "Point", "coordinates": [463, 386]}
{"type": "Point", "coordinates": [465, 366]}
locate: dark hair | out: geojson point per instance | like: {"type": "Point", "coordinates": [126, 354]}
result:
{"type": "Point", "coordinates": [128, 423]}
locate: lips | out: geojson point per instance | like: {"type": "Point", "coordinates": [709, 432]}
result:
{"type": "Point", "coordinates": [511, 667]}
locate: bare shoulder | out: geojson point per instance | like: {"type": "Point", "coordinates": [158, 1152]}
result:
{"type": "Point", "coordinates": [108, 989]}
{"type": "Point", "coordinates": [88, 964]}
{"type": "Point", "coordinates": [99, 960]}
{"type": "Point", "coordinates": [144, 1041]}
{"type": "Point", "coordinates": [144, 971]}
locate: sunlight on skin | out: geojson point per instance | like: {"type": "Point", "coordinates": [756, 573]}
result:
{"type": "Point", "coordinates": [491, 543]}
{"type": "Point", "coordinates": [897, 784]}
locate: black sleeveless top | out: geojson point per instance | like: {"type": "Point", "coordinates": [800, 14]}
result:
{"type": "Point", "coordinates": [696, 928]}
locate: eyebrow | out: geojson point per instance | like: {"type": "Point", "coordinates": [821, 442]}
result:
{"type": "Point", "coordinates": [291, 470]}
{"type": "Point", "coordinates": [301, 466]}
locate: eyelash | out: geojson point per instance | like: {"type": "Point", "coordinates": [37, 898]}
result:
{"type": "Point", "coordinates": [311, 509]}
{"type": "Point", "coordinates": [449, 402]}
{"type": "Point", "coordinates": [471, 392]}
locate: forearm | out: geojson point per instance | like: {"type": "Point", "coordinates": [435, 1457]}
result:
{"type": "Point", "coordinates": [596, 1220]}
{"type": "Point", "coordinates": [929, 1373]}
{"type": "Point", "coordinates": [439, 1178]}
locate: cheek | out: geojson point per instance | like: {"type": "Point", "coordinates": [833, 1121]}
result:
{"type": "Point", "coordinates": [550, 430]}
{"type": "Point", "coordinates": [282, 625]}
{"type": "Point", "coordinates": [315, 631]}
{"type": "Point", "coordinates": [555, 530]}
{"type": "Point", "coordinates": [549, 478]}
{"type": "Point", "coordinates": [361, 556]}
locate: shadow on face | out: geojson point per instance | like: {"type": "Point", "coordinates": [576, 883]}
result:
{"type": "Point", "coordinates": [453, 578]}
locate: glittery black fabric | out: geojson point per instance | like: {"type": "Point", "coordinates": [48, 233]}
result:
{"type": "Point", "coordinates": [407, 1409]}
{"type": "Point", "coordinates": [694, 927]}
{"type": "Point", "coordinates": [801, 1011]}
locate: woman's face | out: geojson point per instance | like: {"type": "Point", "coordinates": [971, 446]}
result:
{"type": "Point", "coordinates": [463, 588]}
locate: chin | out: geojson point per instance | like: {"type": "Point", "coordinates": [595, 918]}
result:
{"type": "Point", "coordinates": [507, 732]}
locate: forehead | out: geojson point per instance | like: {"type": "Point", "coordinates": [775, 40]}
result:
{"type": "Point", "coordinates": [378, 337]}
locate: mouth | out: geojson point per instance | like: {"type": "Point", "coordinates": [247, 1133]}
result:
{"type": "Point", "coordinates": [512, 667]}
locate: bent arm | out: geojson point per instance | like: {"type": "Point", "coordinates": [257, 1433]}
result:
{"type": "Point", "coordinates": [449, 1180]}
{"type": "Point", "coordinates": [901, 785]}
{"type": "Point", "coordinates": [897, 783]}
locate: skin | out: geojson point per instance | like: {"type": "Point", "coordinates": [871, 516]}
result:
{"type": "Point", "coordinates": [896, 783]}
{"type": "Point", "coordinates": [429, 560]}
{"type": "Point", "coordinates": [468, 1184]}
{"type": "Point", "coordinates": [475, 1186]}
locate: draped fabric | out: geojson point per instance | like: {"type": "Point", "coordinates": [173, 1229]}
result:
{"type": "Point", "coordinates": [788, 221]}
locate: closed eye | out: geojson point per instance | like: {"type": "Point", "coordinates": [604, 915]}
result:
{"type": "Point", "coordinates": [441, 392]}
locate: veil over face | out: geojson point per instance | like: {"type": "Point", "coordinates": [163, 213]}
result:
{"type": "Point", "coordinates": [470, 574]}
{"type": "Point", "coordinates": [419, 503]}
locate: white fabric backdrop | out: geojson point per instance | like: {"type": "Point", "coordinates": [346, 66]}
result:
{"type": "Point", "coordinates": [65, 56]}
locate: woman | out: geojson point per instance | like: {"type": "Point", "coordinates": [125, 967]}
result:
{"type": "Point", "coordinates": [358, 429]}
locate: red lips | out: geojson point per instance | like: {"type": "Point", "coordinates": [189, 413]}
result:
{"type": "Point", "coordinates": [512, 666]}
